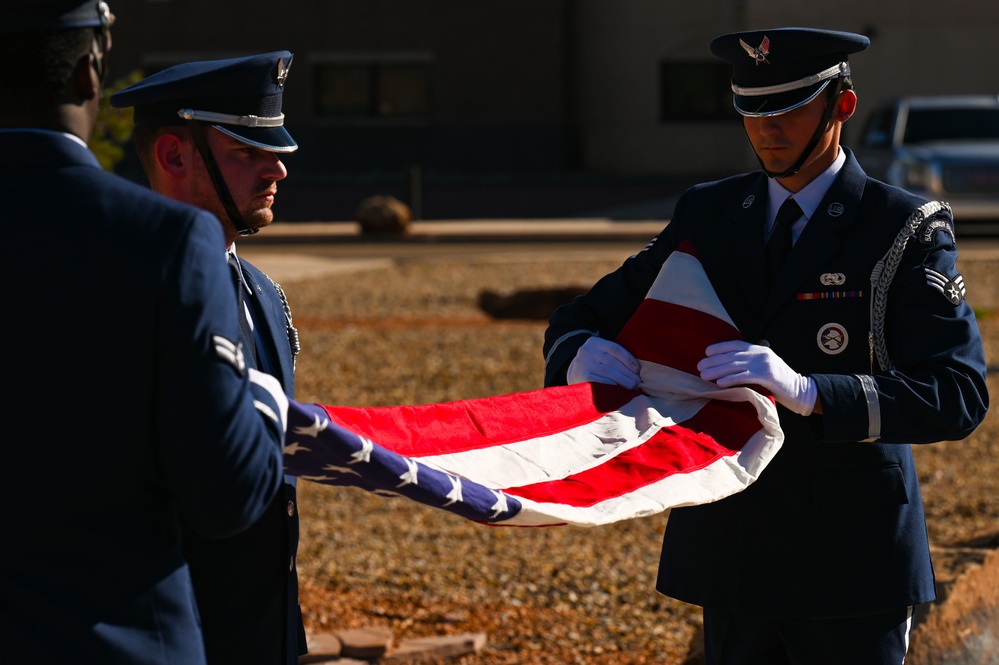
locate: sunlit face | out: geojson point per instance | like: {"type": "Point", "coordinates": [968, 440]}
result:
{"type": "Point", "coordinates": [251, 175]}
{"type": "Point", "coordinates": [779, 141]}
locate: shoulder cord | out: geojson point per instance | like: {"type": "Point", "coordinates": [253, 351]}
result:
{"type": "Point", "coordinates": [293, 340]}
{"type": "Point", "coordinates": [884, 273]}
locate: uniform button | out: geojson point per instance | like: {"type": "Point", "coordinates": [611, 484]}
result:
{"type": "Point", "coordinates": [291, 564]}
{"type": "Point", "coordinates": [291, 508]}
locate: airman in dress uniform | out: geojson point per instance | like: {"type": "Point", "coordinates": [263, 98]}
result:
{"type": "Point", "coordinates": [128, 406]}
{"type": "Point", "coordinates": [854, 318]}
{"type": "Point", "coordinates": [211, 134]}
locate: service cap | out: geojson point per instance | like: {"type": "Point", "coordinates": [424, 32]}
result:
{"type": "Point", "coordinates": [238, 96]}
{"type": "Point", "coordinates": [775, 71]}
{"type": "Point", "coordinates": [44, 15]}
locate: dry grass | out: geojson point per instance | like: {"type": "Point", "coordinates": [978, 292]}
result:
{"type": "Point", "coordinates": [413, 334]}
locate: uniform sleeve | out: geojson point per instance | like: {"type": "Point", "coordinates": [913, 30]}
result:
{"type": "Point", "coordinates": [219, 436]}
{"type": "Point", "coordinates": [936, 389]}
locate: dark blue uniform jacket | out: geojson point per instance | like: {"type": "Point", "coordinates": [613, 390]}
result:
{"type": "Point", "coordinates": [247, 586]}
{"type": "Point", "coordinates": [122, 419]}
{"type": "Point", "coordinates": [834, 526]}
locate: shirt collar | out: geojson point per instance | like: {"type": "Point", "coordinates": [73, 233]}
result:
{"type": "Point", "coordinates": [231, 251]}
{"type": "Point", "coordinates": [811, 195]}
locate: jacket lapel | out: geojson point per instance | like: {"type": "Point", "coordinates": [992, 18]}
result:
{"type": "Point", "coordinates": [739, 259]}
{"type": "Point", "coordinates": [821, 237]}
{"type": "Point", "coordinates": [272, 328]}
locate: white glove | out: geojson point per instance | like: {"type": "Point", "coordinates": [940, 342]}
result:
{"type": "Point", "coordinates": [739, 363]}
{"type": "Point", "coordinates": [603, 361]}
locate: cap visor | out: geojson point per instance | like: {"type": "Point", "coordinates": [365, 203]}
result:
{"type": "Point", "coordinates": [273, 139]}
{"type": "Point", "coordinates": [765, 105]}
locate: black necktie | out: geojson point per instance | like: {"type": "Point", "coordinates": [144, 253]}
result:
{"type": "Point", "coordinates": [780, 240]}
{"type": "Point", "coordinates": [244, 324]}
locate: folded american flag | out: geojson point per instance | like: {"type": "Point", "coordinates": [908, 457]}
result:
{"type": "Point", "coordinates": [586, 454]}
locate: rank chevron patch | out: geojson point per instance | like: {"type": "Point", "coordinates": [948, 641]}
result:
{"type": "Point", "coordinates": [952, 288]}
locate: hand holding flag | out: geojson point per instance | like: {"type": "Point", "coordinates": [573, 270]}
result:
{"type": "Point", "coordinates": [603, 361]}
{"type": "Point", "coordinates": [585, 454]}
{"type": "Point", "coordinates": [739, 363]}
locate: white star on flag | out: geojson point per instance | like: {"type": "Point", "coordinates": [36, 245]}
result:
{"type": "Point", "coordinates": [364, 454]}
{"type": "Point", "coordinates": [340, 469]}
{"type": "Point", "coordinates": [295, 447]}
{"type": "Point", "coordinates": [410, 477]}
{"type": "Point", "coordinates": [314, 429]}
{"type": "Point", "coordinates": [454, 496]}
{"type": "Point", "coordinates": [501, 505]}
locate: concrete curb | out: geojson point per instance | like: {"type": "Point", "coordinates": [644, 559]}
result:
{"type": "Point", "coordinates": [485, 230]}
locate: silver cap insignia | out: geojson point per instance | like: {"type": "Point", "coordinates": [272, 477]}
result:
{"type": "Point", "coordinates": [759, 54]}
{"type": "Point", "coordinates": [282, 72]}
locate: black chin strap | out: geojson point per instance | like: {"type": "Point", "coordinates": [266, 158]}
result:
{"type": "Point", "coordinates": [198, 132]}
{"type": "Point", "coordinates": [819, 131]}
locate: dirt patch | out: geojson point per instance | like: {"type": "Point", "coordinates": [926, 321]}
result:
{"type": "Point", "coordinates": [964, 629]}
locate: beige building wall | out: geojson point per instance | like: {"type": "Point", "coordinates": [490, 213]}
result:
{"type": "Point", "coordinates": [918, 47]}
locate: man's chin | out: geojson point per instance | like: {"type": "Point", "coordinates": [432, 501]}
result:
{"type": "Point", "coordinates": [775, 164]}
{"type": "Point", "coordinates": [258, 219]}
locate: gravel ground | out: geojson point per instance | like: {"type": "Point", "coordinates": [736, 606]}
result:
{"type": "Point", "coordinates": [412, 333]}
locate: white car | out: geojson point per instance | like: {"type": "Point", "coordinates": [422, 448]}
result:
{"type": "Point", "coordinates": [945, 148]}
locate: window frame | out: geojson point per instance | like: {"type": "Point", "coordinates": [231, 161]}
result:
{"type": "Point", "coordinates": [716, 96]}
{"type": "Point", "coordinates": [374, 63]}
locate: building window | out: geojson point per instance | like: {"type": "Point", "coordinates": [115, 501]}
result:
{"type": "Point", "coordinates": [374, 89]}
{"type": "Point", "coordinates": [695, 91]}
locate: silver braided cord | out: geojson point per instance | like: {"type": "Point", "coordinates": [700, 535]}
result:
{"type": "Point", "coordinates": [884, 273]}
{"type": "Point", "coordinates": [296, 345]}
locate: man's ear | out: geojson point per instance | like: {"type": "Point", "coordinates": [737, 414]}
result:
{"type": "Point", "coordinates": [172, 155]}
{"type": "Point", "coordinates": [86, 83]}
{"type": "Point", "coordinates": [846, 105]}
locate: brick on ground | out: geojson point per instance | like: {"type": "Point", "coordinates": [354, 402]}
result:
{"type": "Point", "coordinates": [362, 646]}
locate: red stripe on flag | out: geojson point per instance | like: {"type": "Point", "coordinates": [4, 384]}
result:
{"type": "Point", "coordinates": [475, 424]}
{"type": "Point", "coordinates": [673, 335]}
{"type": "Point", "coordinates": [678, 450]}
{"type": "Point", "coordinates": [687, 247]}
